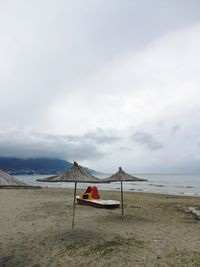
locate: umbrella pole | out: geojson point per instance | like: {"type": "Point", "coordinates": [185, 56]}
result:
{"type": "Point", "coordinates": [122, 199]}
{"type": "Point", "coordinates": [74, 206]}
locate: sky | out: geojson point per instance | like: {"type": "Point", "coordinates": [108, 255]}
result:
{"type": "Point", "coordinates": [106, 83]}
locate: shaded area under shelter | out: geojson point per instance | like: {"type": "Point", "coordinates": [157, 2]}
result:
{"type": "Point", "coordinates": [77, 175]}
{"type": "Point", "coordinates": [122, 176]}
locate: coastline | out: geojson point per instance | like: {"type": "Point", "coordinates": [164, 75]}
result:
{"type": "Point", "coordinates": [162, 184]}
{"type": "Point", "coordinates": [35, 230]}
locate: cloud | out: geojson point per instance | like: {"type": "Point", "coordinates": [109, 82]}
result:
{"type": "Point", "coordinates": [27, 145]}
{"type": "Point", "coordinates": [78, 60]}
{"type": "Point", "coordinates": [175, 128]}
{"type": "Point", "coordinates": [22, 143]}
{"type": "Point", "coordinates": [147, 140]}
{"type": "Point", "coordinates": [100, 136]}
{"type": "Point", "coordinates": [70, 67]}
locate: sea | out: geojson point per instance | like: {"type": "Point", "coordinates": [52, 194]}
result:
{"type": "Point", "coordinates": [170, 184]}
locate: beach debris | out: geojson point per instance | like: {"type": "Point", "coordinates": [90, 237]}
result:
{"type": "Point", "coordinates": [195, 211]}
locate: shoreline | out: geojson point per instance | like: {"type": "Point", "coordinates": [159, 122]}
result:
{"type": "Point", "coordinates": [34, 187]}
{"type": "Point", "coordinates": [35, 230]}
{"type": "Point", "coordinates": [170, 184]}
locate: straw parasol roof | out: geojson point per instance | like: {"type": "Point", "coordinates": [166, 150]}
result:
{"type": "Point", "coordinates": [8, 181]}
{"type": "Point", "coordinates": [75, 174]}
{"type": "Point", "coordinates": [123, 176]}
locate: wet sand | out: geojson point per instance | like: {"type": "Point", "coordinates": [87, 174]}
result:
{"type": "Point", "coordinates": [35, 230]}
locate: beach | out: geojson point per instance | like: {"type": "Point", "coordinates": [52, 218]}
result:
{"type": "Point", "coordinates": [157, 230]}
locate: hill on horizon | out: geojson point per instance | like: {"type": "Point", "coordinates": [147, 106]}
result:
{"type": "Point", "coordinates": [36, 166]}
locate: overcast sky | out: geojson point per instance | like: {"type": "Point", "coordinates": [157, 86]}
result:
{"type": "Point", "coordinates": [107, 83]}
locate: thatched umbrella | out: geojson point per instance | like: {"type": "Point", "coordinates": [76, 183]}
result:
{"type": "Point", "coordinates": [122, 176]}
{"type": "Point", "coordinates": [8, 181]}
{"type": "Point", "coordinates": [77, 175]}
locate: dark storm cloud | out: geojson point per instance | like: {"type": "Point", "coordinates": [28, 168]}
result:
{"type": "Point", "coordinates": [147, 140]}
{"type": "Point", "coordinates": [80, 147]}
{"type": "Point", "coordinates": [21, 144]}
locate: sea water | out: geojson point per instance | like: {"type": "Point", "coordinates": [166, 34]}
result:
{"type": "Point", "coordinates": [173, 184]}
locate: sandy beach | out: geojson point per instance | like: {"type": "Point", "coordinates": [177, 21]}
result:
{"type": "Point", "coordinates": [35, 230]}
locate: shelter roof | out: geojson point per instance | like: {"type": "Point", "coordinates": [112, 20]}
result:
{"type": "Point", "coordinates": [75, 174]}
{"type": "Point", "coordinates": [8, 180]}
{"type": "Point", "coordinates": [123, 176]}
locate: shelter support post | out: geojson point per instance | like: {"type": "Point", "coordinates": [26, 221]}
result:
{"type": "Point", "coordinates": [122, 199]}
{"type": "Point", "coordinates": [74, 206]}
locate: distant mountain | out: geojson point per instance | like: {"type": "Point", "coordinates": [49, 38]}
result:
{"type": "Point", "coordinates": [17, 166]}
